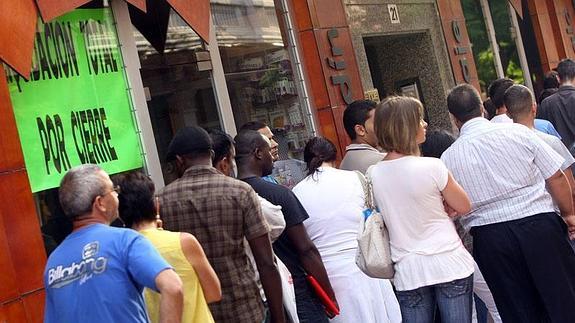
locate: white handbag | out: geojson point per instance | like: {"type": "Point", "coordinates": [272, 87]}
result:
{"type": "Point", "coordinates": [373, 250]}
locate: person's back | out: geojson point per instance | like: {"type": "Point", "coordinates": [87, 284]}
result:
{"type": "Point", "coordinates": [503, 156]}
{"type": "Point", "coordinates": [98, 274]}
{"type": "Point", "coordinates": [559, 107]}
{"type": "Point", "coordinates": [559, 148]}
{"type": "Point", "coordinates": [293, 214]}
{"type": "Point", "coordinates": [195, 306]}
{"type": "Point", "coordinates": [212, 207]}
{"type": "Point", "coordinates": [408, 190]}
{"type": "Point", "coordinates": [519, 243]}
{"type": "Point", "coordinates": [334, 200]}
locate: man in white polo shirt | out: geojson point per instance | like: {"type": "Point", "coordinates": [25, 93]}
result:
{"type": "Point", "coordinates": [520, 244]}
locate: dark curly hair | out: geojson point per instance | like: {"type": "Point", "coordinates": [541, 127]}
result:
{"type": "Point", "coordinates": [136, 197]}
{"type": "Point", "coordinates": [317, 151]}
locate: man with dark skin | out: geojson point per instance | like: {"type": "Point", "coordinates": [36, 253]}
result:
{"type": "Point", "coordinates": [265, 130]}
{"type": "Point", "coordinates": [192, 150]}
{"type": "Point", "coordinates": [293, 247]}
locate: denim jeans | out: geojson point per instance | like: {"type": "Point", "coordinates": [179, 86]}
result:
{"type": "Point", "coordinates": [453, 299]}
{"type": "Point", "coordinates": [309, 307]}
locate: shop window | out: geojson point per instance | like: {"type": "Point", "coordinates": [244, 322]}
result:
{"type": "Point", "coordinates": [178, 86]}
{"type": "Point", "coordinates": [261, 82]}
{"type": "Point", "coordinates": [478, 35]}
{"type": "Point", "coordinates": [505, 35]}
{"type": "Point", "coordinates": [482, 50]}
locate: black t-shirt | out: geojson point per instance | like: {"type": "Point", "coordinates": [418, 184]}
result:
{"type": "Point", "coordinates": [294, 214]}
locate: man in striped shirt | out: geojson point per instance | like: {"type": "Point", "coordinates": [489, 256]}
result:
{"type": "Point", "coordinates": [520, 244]}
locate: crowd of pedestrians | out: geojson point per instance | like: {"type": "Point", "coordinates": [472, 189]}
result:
{"type": "Point", "coordinates": [487, 216]}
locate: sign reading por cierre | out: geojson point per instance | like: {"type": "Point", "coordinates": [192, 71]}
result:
{"type": "Point", "coordinates": [75, 109]}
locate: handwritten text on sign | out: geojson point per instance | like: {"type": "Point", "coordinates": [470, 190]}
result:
{"type": "Point", "coordinates": [75, 108]}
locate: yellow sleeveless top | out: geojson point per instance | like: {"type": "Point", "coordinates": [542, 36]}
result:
{"type": "Point", "coordinates": [195, 307]}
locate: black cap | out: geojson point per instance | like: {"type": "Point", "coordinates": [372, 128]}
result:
{"type": "Point", "coordinates": [189, 140]}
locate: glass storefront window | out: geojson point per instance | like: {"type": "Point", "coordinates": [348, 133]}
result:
{"type": "Point", "coordinates": [478, 35]}
{"type": "Point", "coordinates": [260, 78]}
{"type": "Point", "coordinates": [506, 40]}
{"type": "Point", "coordinates": [482, 51]}
{"type": "Point", "coordinates": [178, 86]}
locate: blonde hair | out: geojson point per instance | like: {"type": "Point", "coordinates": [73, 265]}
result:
{"type": "Point", "coordinates": [397, 121]}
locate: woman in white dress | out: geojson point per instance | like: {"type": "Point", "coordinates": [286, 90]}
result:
{"type": "Point", "coordinates": [334, 200]}
{"type": "Point", "coordinates": [432, 268]}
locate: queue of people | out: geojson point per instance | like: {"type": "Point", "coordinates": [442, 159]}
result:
{"type": "Point", "coordinates": [490, 213]}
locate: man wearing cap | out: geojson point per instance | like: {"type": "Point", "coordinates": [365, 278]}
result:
{"type": "Point", "coordinates": [221, 211]}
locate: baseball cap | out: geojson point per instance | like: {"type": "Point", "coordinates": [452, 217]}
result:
{"type": "Point", "coordinates": [189, 140]}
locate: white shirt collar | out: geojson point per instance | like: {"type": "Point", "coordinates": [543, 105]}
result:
{"type": "Point", "coordinates": [470, 125]}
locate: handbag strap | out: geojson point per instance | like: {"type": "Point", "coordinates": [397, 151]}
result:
{"type": "Point", "coordinates": [367, 190]}
{"type": "Point", "coordinates": [372, 203]}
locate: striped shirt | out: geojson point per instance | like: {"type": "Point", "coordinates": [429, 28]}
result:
{"type": "Point", "coordinates": [503, 168]}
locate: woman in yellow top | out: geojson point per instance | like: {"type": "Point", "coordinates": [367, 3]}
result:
{"type": "Point", "coordinates": [180, 249]}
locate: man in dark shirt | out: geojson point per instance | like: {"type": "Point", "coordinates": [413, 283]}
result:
{"type": "Point", "coordinates": [220, 212]}
{"type": "Point", "coordinates": [293, 246]}
{"type": "Point", "coordinates": [559, 108]}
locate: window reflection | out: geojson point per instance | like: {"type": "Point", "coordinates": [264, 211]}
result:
{"type": "Point", "coordinates": [260, 78]}
{"type": "Point", "coordinates": [178, 86]}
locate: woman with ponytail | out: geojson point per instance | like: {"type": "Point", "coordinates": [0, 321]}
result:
{"type": "Point", "coordinates": [334, 200]}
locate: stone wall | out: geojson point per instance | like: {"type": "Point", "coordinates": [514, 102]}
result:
{"type": "Point", "coordinates": [421, 53]}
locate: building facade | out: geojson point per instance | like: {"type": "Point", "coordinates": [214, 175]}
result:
{"type": "Point", "coordinates": [107, 83]}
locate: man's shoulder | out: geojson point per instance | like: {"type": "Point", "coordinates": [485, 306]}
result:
{"type": "Point", "coordinates": [208, 181]}
{"type": "Point", "coordinates": [549, 139]}
{"type": "Point", "coordinates": [556, 99]}
{"type": "Point", "coordinates": [361, 158]}
{"type": "Point", "coordinates": [259, 184]}
{"type": "Point", "coordinates": [274, 193]}
{"type": "Point", "coordinates": [97, 238]}
{"type": "Point", "coordinates": [554, 143]}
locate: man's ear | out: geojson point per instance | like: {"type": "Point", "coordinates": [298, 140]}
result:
{"type": "Point", "coordinates": [98, 205]}
{"type": "Point", "coordinates": [223, 166]}
{"type": "Point", "coordinates": [534, 108]}
{"type": "Point", "coordinates": [359, 130]}
{"type": "Point", "coordinates": [258, 153]}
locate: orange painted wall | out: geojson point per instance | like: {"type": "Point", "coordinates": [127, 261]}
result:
{"type": "Point", "coordinates": [324, 38]}
{"type": "Point", "coordinates": [22, 255]}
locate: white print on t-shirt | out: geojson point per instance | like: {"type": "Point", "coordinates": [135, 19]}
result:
{"type": "Point", "coordinates": [84, 270]}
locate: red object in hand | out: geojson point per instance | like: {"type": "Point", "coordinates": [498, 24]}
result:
{"type": "Point", "coordinates": [330, 307]}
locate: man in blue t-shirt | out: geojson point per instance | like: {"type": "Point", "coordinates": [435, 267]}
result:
{"type": "Point", "coordinates": [97, 274]}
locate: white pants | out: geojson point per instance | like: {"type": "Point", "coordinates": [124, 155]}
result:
{"type": "Point", "coordinates": [482, 291]}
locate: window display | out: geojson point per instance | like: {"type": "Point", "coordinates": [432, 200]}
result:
{"type": "Point", "coordinates": [259, 74]}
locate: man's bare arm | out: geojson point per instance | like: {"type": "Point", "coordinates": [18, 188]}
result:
{"type": "Point", "coordinates": [169, 285]}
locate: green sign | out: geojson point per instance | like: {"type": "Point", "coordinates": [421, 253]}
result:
{"type": "Point", "coordinates": [75, 109]}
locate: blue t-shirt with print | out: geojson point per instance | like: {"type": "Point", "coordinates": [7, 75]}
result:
{"type": "Point", "coordinates": [98, 274]}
